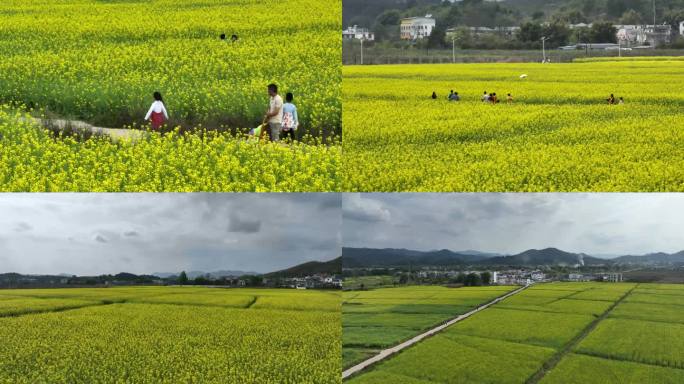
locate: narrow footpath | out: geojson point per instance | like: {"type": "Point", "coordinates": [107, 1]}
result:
{"type": "Point", "coordinates": [114, 133]}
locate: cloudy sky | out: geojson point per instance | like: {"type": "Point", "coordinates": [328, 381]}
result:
{"type": "Point", "coordinates": [599, 224]}
{"type": "Point", "coordinates": [89, 234]}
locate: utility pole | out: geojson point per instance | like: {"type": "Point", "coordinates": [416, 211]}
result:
{"type": "Point", "coordinates": [453, 50]}
{"type": "Point", "coordinates": [543, 39]}
{"type": "Point", "coordinates": [654, 25]}
{"type": "Point", "coordinates": [361, 50]}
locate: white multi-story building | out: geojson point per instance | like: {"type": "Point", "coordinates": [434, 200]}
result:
{"type": "Point", "coordinates": [642, 34]}
{"type": "Point", "coordinates": [612, 277]}
{"type": "Point", "coordinates": [415, 28]}
{"type": "Point", "coordinates": [356, 33]}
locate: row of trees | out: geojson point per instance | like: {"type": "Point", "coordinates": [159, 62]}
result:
{"type": "Point", "coordinates": [478, 13]}
{"type": "Point", "coordinates": [250, 280]}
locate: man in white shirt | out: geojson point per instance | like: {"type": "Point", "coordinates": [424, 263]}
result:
{"type": "Point", "coordinates": [274, 115]}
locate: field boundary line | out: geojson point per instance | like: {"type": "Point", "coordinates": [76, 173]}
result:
{"type": "Point", "coordinates": [385, 353]}
{"type": "Point", "coordinates": [626, 360]}
{"type": "Point", "coordinates": [58, 310]}
{"type": "Point", "coordinates": [252, 302]}
{"type": "Point", "coordinates": [551, 363]}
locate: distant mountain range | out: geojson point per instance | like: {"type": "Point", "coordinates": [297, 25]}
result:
{"type": "Point", "coordinates": [389, 257]}
{"type": "Point", "coordinates": [332, 267]}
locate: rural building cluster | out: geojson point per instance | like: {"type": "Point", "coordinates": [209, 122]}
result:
{"type": "Point", "coordinates": [421, 27]}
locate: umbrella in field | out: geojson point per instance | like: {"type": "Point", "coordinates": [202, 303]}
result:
{"type": "Point", "coordinates": [523, 76]}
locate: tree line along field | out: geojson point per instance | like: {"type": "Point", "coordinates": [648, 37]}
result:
{"type": "Point", "coordinates": [379, 318]}
{"type": "Point", "coordinates": [559, 134]}
{"type": "Point", "coordinates": [170, 335]}
{"type": "Point", "coordinates": [554, 333]}
{"type": "Point", "coordinates": [100, 62]}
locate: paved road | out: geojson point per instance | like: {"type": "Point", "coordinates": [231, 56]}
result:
{"type": "Point", "coordinates": [385, 353]}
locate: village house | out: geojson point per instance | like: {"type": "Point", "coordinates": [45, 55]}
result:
{"type": "Point", "coordinates": [356, 33]}
{"type": "Point", "coordinates": [634, 35]}
{"type": "Point", "coordinates": [416, 28]}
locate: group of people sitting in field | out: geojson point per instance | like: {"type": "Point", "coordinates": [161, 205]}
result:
{"type": "Point", "coordinates": [487, 97]}
{"type": "Point", "coordinates": [611, 100]}
{"type": "Point", "coordinates": [281, 118]}
{"type": "Point", "coordinates": [494, 99]}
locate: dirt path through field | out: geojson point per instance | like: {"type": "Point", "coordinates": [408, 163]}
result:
{"type": "Point", "coordinates": [115, 133]}
{"type": "Point", "coordinates": [385, 353]}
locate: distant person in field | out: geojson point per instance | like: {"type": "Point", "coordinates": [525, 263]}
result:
{"type": "Point", "coordinates": [485, 97]}
{"type": "Point", "coordinates": [290, 118]}
{"type": "Point", "coordinates": [274, 114]}
{"type": "Point", "coordinates": [611, 99]}
{"type": "Point", "coordinates": [157, 114]}
{"type": "Point", "coordinates": [492, 98]}
{"type": "Point", "coordinates": [509, 99]}
{"type": "Point", "coordinates": [233, 38]}
{"type": "Point", "coordinates": [454, 97]}
{"type": "Point", "coordinates": [450, 94]}
{"type": "Point", "coordinates": [622, 101]}
{"type": "Point", "coordinates": [434, 95]}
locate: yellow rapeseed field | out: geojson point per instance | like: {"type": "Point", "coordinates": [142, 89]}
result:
{"type": "Point", "coordinates": [559, 134]}
{"type": "Point", "coordinates": [100, 61]}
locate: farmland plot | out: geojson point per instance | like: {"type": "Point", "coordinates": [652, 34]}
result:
{"type": "Point", "coordinates": [101, 61]}
{"type": "Point", "coordinates": [381, 318]}
{"type": "Point", "coordinates": [507, 343]}
{"type": "Point", "coordinates": [559, 134]}
{"type": "Point", "coordinates": [204, 336]}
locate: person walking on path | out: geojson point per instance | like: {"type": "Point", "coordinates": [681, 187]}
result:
{"type": "Point", "coordinates": [290, 118]}
{"type": "Point", "coordinates": [157, 114]}
{"type": "Point", "coordinates": [274, 115]}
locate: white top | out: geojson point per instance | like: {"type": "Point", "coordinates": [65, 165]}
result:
{"type": "Point", "coordinates": [157, 107]}
{"type": "Point", "coordinates": [276, 104]}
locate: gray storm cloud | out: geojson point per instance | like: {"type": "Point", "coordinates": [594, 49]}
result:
{"type": "Point", "coordinates": [145, 233]}
{"type": "Point", "coordinates": [605, 224]}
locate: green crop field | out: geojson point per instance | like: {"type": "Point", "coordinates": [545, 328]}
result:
{"type": "Point", "coordinates": [169, 335]}
{"type": "Point", "coordinates": [384, 317]}
{"type": "Point", "coordinates": [569, 333]}
{"type": "Point", "coordinates": [559, 134]}
{"type": "Point", "coordinates": [100, 62]}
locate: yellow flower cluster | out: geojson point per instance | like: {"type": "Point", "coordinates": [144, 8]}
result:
{"type": "Point", "coordinates": [559, 134]}
{"type": "Point", "coordinates": [32, 160]}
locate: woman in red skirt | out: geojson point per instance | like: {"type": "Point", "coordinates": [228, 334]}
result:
{"type": "Point", "coordinates": [157, 113]}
